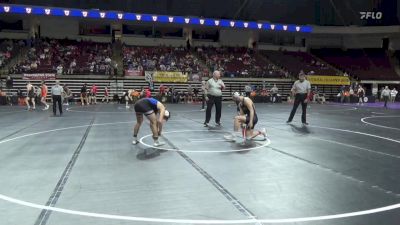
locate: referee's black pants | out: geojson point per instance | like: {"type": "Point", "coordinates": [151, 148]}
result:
{"type": "Point", "coordinates": [57, 100]}
{"type": "Point", "coordinates": [299, 98]}
{"type": "Point", "coordinates": [217, 100]}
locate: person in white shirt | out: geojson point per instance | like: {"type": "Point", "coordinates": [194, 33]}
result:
{"type": "Point", "coordinates": [301, 90]}
{"type": "Point", "coordinates": [393, 94]}
{"type": "Point", "coordinates": [214, 87]}
{"type": "Point", "coordinates": [386, 95]}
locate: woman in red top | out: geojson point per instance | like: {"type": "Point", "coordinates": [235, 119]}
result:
{"type": "Point", "coordinates": [44, 91]}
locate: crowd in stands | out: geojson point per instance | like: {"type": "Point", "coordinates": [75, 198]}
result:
{"type": "Point", "coordinates": [66, 57]}
{"type": "Point", "coordinates": [366, 64]}
{"type": "Point", "coordinates": [239, 62]}
{"type": "Point", "coordinates": [8, 49]}
{"type": "Point", "coordinates": [160, 58]}
{"type": "Point", "coordinates": [296, 62]}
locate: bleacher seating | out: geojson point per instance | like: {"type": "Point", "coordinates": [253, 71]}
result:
{"type": "Point", "coordinates": [160, 58]}
{"type": "Point", "coordinates": [239, 62]}
{"type": "Point", "coordinates": [8, 50]}
{"type": "Point", "coordinates": [66, 57]}
{"type": "Point", "coordinates": [295, 62]}
{"type": "Point", "coordinates": [364, 64]}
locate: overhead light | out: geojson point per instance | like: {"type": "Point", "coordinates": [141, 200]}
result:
{"type": "Point", "coordinates": [272, 26]}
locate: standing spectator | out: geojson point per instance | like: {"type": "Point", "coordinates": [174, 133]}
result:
{"type": "Point", "coordinates": [189, 98]}
{"type": "Point", "coordinates": [71, 68]}
{"type": "Point", "coordinates": [203, 94]}
{"type": "Point", "coordinates": [214, 89]}
{"type": "Point", "coordinates": [274, 93]}
{"type": "Point", "coordinates": [247, 90]}
{"type": "Point", "coordinates": [56, 92]}
{"type": "Point", "coordinates": [106, 95]}
{"type": "Point", "coordinates": [9, 82]}
{"type": "Point", "coordinates": [393, 94]}
{"type": "Point", "coordinates": [386, 95]}
{"type": "Point", "coordinates": [195, 94]}
{"type": "Point", "coordinates": [361, 94]}
{"type": "Point", "coordinates": [301, 89]}
{"type": "Point", "coordinates": [93, 94]}
{"type": "Point", "coordinates": [84, 95]}
{"type": "Point", "coordinates": [67, 94]}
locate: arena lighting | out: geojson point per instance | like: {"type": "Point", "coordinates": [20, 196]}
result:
{"type": "Point", "coordinates": [96, 14]}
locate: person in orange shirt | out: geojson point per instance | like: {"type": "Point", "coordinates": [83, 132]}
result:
{"type": "Point", "coordinates": [44, 91]}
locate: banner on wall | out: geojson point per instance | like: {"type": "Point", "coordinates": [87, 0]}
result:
{"type": "Point", "coordinates": [39, 76]}
{"type": "Point", "coordinates": [167, 77]}
{"type": "Point", "coordinates": [328, 80]}
{"type": "Point", "coordinates": [133, 73]}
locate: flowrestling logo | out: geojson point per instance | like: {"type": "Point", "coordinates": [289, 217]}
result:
{"type": "Point", "coordinates": [371, 15]}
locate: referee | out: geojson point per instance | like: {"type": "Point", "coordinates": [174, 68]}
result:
{"type": "Point", "coordinates": [56, 92]}
{"type": "Point", "coordinates": [213, 92]}
{"type": "Point", "coordinates": [301, 90]}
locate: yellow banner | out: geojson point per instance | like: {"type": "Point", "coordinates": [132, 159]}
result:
{"type": "Point", "coordinates": [328, 80]}
{"type": "Point", "coordinates": [170, 77]}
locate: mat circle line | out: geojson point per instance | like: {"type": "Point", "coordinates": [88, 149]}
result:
{"type": "Point", "coordinates": [377, 125]}
{"type": "Point", "coordinates": [267, 142]}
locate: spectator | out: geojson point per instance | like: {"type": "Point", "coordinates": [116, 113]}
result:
{"type": "Point", "coordinates": [393, 94]}
{"type": "Point", "coordinates": [386, 95]}
{"type": "Point", "coordinates": [274, 93]}
{"type": "Point", "coordinates": [59, 69]}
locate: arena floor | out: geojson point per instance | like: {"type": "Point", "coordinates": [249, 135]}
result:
{"type": "Point", "coordinates": [82, 168]}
